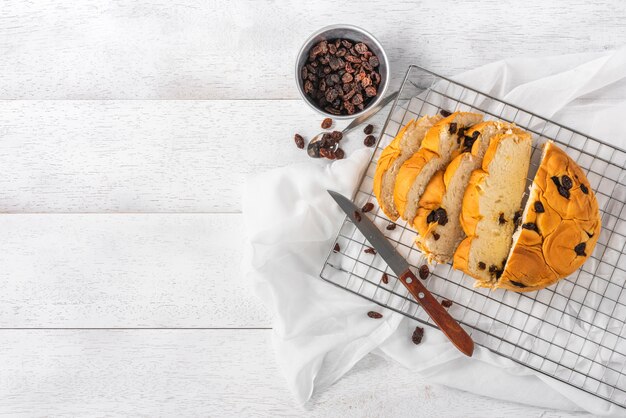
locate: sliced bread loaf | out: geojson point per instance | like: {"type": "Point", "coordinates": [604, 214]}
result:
{"type": "Point", "coordinates": [559, 229]}
{"type": "Point", "coordinates": [437, 221]}
{"type": "Point", "coordinates": [403, 146]}
{"type": "Point", "coordinates": [439, 146]}
{"type": "Point", "coordinates": [491, 200]}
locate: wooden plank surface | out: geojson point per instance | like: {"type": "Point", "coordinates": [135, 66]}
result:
{"type": "Point", "coordinates": [125, 270]}
{"type": "Point", "coordinates": [200, 373]}
{"type": "Point", "coordinates": [154, 49]}
{"type": "Point", "coordinates": [126, 130]}
{"type": "Point", "coordinates": [148, 155]}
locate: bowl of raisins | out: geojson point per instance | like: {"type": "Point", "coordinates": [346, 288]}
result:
{"type": "Point", "coordinates": [341, 71]}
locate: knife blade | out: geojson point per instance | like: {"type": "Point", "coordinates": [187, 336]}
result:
{"type": "Point", "coordinates": [401, 267]}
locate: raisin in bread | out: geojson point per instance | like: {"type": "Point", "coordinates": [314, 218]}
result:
{"type": "Point", "coordinates": [560, 225]}
{"type": "Point", "coordinates": [439, 146]}
{"type": "Point", "coordinates": [491, 200]}
{"type": "Point", "coordinates": [437, 221]}
{"type": "Point", "coordinates": [403, 146]}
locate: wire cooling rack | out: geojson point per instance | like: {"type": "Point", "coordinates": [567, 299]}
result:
{"type": "Point", "coordinates": [572, 331]}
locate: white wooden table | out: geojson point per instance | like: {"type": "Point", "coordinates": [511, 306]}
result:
{"type": "Point", "coordinates": [126, 130]}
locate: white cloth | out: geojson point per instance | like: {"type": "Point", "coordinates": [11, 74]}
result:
{"type": "Point", "coordinates": [320, 331]}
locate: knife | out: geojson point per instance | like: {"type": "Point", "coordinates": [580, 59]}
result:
{"type": "Point", "coordinates": [400, 266]}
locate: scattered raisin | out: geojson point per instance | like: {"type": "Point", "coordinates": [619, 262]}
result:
{"type": "Point", "coordinates": [424, 272]}
{"type": "Point", "coordinates": [501, 219]}
{"type": "Point", "coordinates": [385, 278]}
{"type": "Point", "coordinates": [299, 141]}
{"type": "Point", "coordinates": [452, 128]}
{"type": "Point", "coordinates": [391, 227]}
{"type": "Point", "coordinates": [367, 207]}
{"type": "Point", "coordinates": [436, 236]}
{"type": "Point", "coordinates": [493, 268]}
{"type": "Point", "coordinates": [336, 136]}
{"type": "Point", "coordinates": [418, 334]}
{"type": "Point", "coordinates": [517, 284]}
{"type": "Point", "coordinates": [357, 216]}
{"type": "Point", "coordinates": [327, 123]}
{"type": "Point", "coordinates": [368, 129]}
{"type": "Point", "coordinates": [481, 265]}
{"type": "Point", "coordinates": [327, 153]}
{"type": "Point", "coordinates": [369, 140]}
{"type": "Point", "coordinates": [369, 250]}
{"type": "Point", "coordinates": [339, 154]}
{"type": "Point", "coordinates": [517, 218]}
{"type": "Point", "coordinates": [446, 303]}
{"type": "Point", "coordinates": [539, 207]}
{"type": "Point", "coordinates": [445, 113]}
{"type": "Point", "coordinates": [584, 189]}
{"type": "Point", "coordinates": [580, 249]}
{"type": "Point", "coordinates": [374, 315]}
{"type": "Point", "coordinates": [531, 226]}
{"type": "Point", "coordinates": [566, 182]}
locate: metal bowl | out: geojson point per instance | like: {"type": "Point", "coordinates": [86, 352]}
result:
{"type": "Point", "coordinates": [347, 32]}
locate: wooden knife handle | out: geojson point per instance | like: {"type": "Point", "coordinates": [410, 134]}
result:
{"type": "Point", "coordinates": [438, 313]}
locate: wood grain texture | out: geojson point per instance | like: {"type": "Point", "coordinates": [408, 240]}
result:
{"type": "Point", "coordinates": [117, 138]}
{"type": "Point", "coordinates": [124, 270]}
{"type": "Point", "coordinates": [146, 156]}
{"type": "Point", "coordinates": [205, 373]}
{"type": "Point", "coordinates": [156, 49]}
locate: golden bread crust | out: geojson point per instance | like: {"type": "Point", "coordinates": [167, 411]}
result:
{"type": "Point", "coordinates": [385, 161]}
{"type": "Point", "coordinates": [567, 226]}
{"type": "Point", "coordinates": [407, 175]}
{"type": "Point", "coordinates": [430, 200]}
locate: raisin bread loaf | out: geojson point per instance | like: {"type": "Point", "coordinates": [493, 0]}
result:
{"type": "Point", "coordinates": [437, 221]}
{"type": "Point", "coordinates": [560, 225]}
{"type": "Point", "coordinates": [404, 145]}
{"type": "Point", "coordinates": [491, 200]}
{"type": "Point", "coordinates": [439, 146]}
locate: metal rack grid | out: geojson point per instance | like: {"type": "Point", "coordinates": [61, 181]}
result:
{"type": "Point", "coordinates": [572, 331]}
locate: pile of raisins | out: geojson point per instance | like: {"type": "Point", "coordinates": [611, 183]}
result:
{"type": "Point", "coordinates": [341, 76]}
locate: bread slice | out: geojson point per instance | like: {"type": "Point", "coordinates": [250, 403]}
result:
{"type": "Point", "coordinates": [559, 228]}
{"type": "Point", "coordinates": [437, 221]}
{"type": "Point", "coordinates": [439, 146]}
{"type": "Point", "coordinates": [491, 200]}
{"type": "Point", "coordinates": [403, 146]}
